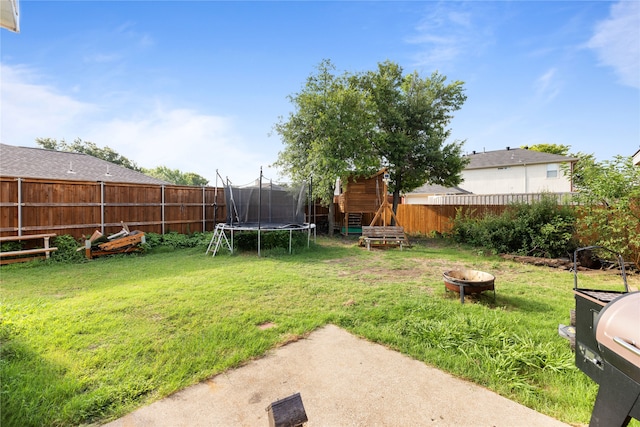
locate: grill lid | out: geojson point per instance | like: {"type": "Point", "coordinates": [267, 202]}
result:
{"type": "Point", "coordinates": [618, 327]}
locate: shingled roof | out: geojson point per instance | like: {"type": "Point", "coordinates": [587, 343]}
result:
{"type": "Point", "coordinates": [27, 162]}
{"type": "Point", "coordinates": [512, 157]}
{"type": "Point", "coordinates": [439, 190]}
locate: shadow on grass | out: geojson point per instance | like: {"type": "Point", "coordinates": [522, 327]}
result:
{"type": "Point", "coordinates": [525, 304]}
{"type": "Point", "coordinates": [29, 382]}
{"type": "Point", "coordinates": [508, 302]}
{"type": "Point", "coordinates": [36, 391]}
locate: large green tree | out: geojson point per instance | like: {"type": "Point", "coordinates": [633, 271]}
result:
{"type": "Point", "coordinates": [174, 176]}
{"type": "Point", "coordinates": [90, 148]}
{"type": "Point", "coordinates": [561, 149]}
{"type": "Point", "coordinates": [326, 135]}
{"type": "Point", "coordinates": [357, 123]}
{"type": "Point", "coordinates": [411, 118]}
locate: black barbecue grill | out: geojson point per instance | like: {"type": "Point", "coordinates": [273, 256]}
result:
{"type": "Point", "coordinates": [608, 348]}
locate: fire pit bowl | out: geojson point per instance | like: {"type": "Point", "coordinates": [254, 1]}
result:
{"type": "Point", "coordinates": [469, 281]}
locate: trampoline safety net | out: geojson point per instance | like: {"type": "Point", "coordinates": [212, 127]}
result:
{"type": "Point", "coordinates": [269, 206]}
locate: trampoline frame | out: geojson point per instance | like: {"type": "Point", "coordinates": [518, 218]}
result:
{"type": "Point", "coordinates": [220, 234]}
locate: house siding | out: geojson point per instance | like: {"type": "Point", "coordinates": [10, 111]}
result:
{"type": "Point", "coordinates": [417, 199]}
{"type": "Point", "coordinates": [514, 179]}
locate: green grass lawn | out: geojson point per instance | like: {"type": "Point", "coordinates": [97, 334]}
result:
{"type": "Point", "coordinates": [87, 343]}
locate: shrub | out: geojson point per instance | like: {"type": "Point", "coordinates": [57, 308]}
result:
{"type": "Point", "coordinates": [67, 250]}
{"type": "Point", "coordinates": [546, 228]}
{"type": "Point", "coordinates": [175, 240]}
{"type": "Point", "coordinates": [539, 229]}
{"type": "Point", "coordinates": [10, 246]}
{"type": "Point", "coordinates": [248, 241]}
{"type": "Point", "coordinates": [609, 204]}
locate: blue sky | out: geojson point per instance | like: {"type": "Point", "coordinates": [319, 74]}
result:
{"type": "Point", "coordinates": [198, 85]}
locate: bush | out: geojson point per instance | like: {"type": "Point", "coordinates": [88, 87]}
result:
{"type": "Point", "coordinates": [609, 205]}
{"type": "Point", "coordinates": [175, 240]}
{"type": "Point", "coordinates": [546, 228]}
{"type": "Point", "coordinates": [539, 229]}
{"type": "Point", "coordinates": [10, 246]}
{"type": "Point", "coordinates": [67, 250]}
{"type": "Point", "coordinates": [248, 241]}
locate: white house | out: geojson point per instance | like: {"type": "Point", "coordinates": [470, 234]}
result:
{"type": "Point", "coordinates": [513, 171]}
{"type": "Point", "coordinates": [517, 171]}
{"type": "Point", "coordinates": [636, 158]}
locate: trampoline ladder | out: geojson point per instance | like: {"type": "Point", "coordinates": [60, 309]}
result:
{"type": "Point", "coordinates": [216, 240]}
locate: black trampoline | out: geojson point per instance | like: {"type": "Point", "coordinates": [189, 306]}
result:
{"type": "Point", "coordinates": [261, 207]}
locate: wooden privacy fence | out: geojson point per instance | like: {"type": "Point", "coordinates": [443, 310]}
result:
{"type": "Point", "coordinates": [425, 219]}
{"type": "Point", "coordinates": [35, 206]}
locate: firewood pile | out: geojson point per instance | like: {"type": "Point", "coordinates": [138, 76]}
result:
{"type": "Point", "coordinates": [124, 241]}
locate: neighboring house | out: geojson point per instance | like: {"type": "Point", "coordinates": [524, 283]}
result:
{"type": "Point", "coordinates": [636, 158]}
{"type": "Point", "coordinates": [26, 162]}
{"type": "Point", "coordinates": [428, 194]}
{"type": "Point", "coordinates": [10, 15]}
{"type": "Point", "coordinates": [517, 171]}
{"type": "Point", "coordinates": [513, 171]}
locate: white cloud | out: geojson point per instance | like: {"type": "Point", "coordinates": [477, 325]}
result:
{"type": "Point", "coordinates": [128, 30]}
{"type": "Point", "coordinates": [31, 109]}
{"type": "Point", "coordinates": [153, 135]}
{"type": "Point", "coordinates": [447, 32]}
{"type": "Point", "coordinates": [547, 86]}
{"type": "Point", "coordinates": [181, 139]}
{"type": "Point", "coordinates": [102, 57]}
{"type": "Point", "coordinates": [617, 42]}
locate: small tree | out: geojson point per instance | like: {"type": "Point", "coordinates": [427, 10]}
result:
{"type": "Point", "coordinates": [609, 204]}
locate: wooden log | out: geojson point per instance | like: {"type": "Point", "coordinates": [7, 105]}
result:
{"type": "Point", "coordinates": [549, 262]}
{"type": "Point", "coordinates": [122, 242]}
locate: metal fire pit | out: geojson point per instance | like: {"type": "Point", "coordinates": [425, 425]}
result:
{"type": "Point", "coordinates": [608, 348]}
{"type": "Point", "coordinates": [469, 281]}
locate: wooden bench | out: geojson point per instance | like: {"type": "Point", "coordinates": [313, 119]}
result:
{"type": "Point", "coordinates": [383, 236]}
{"type": "Point", "coordinates": [23, 255]}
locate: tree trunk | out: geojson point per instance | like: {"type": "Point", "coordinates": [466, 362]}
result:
{"type": "Point", "coordinates": [332, 218]}
{"type": "Point", "coordinates": [394, 207]}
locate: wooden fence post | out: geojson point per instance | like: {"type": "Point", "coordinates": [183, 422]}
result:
{"type": "Point", "coordinates": [102, 207]}
{"type": "Point", "coordinates": [162, 208]}
{"type": "Point", "coordinates": [204, 212]}
{"type": "Point", "coordinates": [19, 206]}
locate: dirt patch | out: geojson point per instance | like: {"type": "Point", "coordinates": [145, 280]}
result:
{"type": "Point", "coordinates": [266, 325]}
{"type": "Point", "coordinates": [375, 270]}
